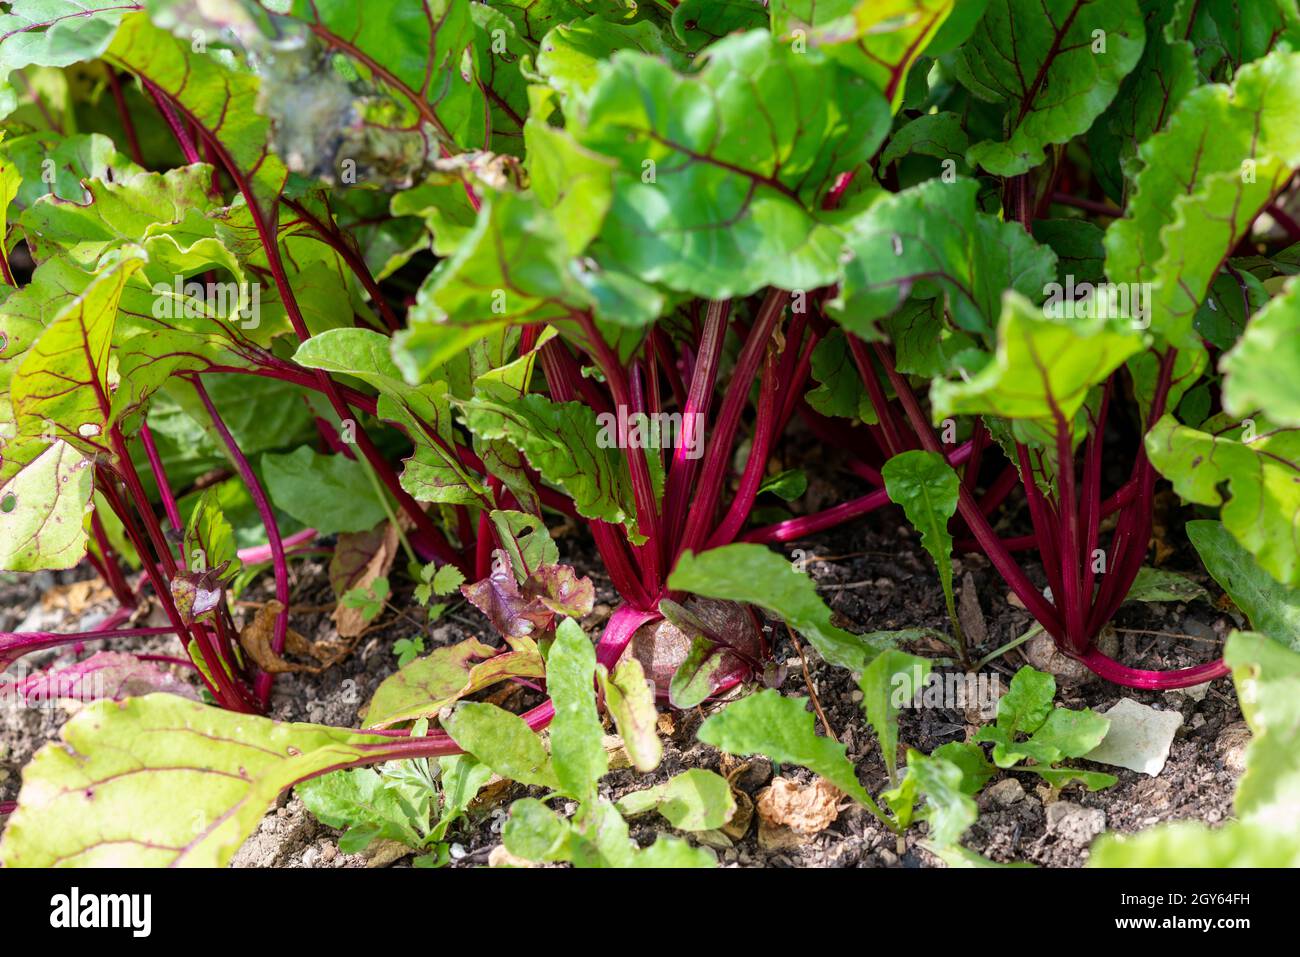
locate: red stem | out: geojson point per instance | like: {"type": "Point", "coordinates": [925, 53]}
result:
{"type": "Point", "coordinates": [263, 682]}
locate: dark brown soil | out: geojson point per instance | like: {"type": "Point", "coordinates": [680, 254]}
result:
{"type": "Point", "coordinates": [875, 577]}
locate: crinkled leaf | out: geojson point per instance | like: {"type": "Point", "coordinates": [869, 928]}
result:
{"type": "Point", "coordinates": [1257, 482]}
{"type": "Point", "coordinates": [1043, 368]}
{"type": "Point", "coordinates": [879, 40]}
{"type": "Point", "coordinates": [931, 239]}
{"type": "Point", "coordinates": [1222, 156]}
{"type": "Point", "coordinates": [1046, 62]}
{"type": "Point", "coordinates": [740, 152]}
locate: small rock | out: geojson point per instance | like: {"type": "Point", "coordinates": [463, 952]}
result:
{"type": "Point", "coordinates": [328, 853]}
{"type": "Point", "coordinates": [1075, 823]}
{"type": "Point", "coordinates": [1005, 793]}
{"type": "Point", "coordinates": [457, 851]}
{"type": "Point", "coordinates": [855, 696]}
{"type": "Point", "coordinates": [1139, 737]}
{"type": "Point", "coordinates": [753, 774]}
{"type": "Point", "coordinates": [310, 856]}
{"type": "Point", "coordinates": [1231, 746]}
{"type": "Point", "coordinates": [1041, 652]}
{"type": "Point", "coordinates": [774, 837]}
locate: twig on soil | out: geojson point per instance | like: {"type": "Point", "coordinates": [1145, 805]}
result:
{"type": "Point", "coordinates": [812, 691]}
{"type": "Point", "coordinates": [1169, 634]}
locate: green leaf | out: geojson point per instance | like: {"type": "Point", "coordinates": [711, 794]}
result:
{"type": "Point", "coordinates": [700, 674]}
{"type": "Point", "coordinates": [434, 472]}
{"type": "Point", "coordinates": [1223, 149]}
{"type": "Point", "coordinates": [561, 441]}
{"type": "Point", "coordinates": [948, 808]}
{"type": "Point", "coordinates": [535, 832]}
{"type": "Point", "coordinates": [1053, 733]}
{"type": "Point", "coordinates": [878, 40]}
{"type": "Point", "coordinates": [512, 267]}
{"type": "Point", "coordinates": [888, 684]}
{"type": "Point", "coordinates": [698, 23]}
{"type": "Point", "coordinates": [43, 511]}
{"type": "Point", "coordinates": [1027, 702]}
{"type": "Point", "coordinates": [1043, 368]}
{"type": "Point", "coordinates": [427, 685]}
{"type": "Point", "coordinates": [1156, 584]}
{"type": "Point", "coordinates": [1251, 470]}
{"type": "Point", "coordinates": [413, 55]}
{"type": "Point", "coordinates": [1192, 844]}
{"type": "Point", "coordinates": [926, 486]}
{"type": "Point", "coordinates": [1272, 607]}
{"type": "Point", "coordinates": [360, 802]}
{"type": "Point", "coordinates": [760, 130]}
{"type": "Point", "coordinates": [1054, 64]}
{"type": "Point", "coordinates": [1147, 96]}
{"type": "Point", "coordinates": [695, 800]}
{"type": "Point", "coordinates": [754, 575]}
{"type": "Point", "coordinates": [841, 392]}
{"type": "Point", "coordinates": [502, 741]}
{"type": "Point", "coordinates": [782, 729]}
{"type": "Point", "coordinates": [577, 750]}
{"type": "Point", "coordinates": [630, 699]}
{"type": "Point", "coordinates": [932, 134]}
{"type": "Point", "coordinates": [221, 99]}
{"type": "Point", "coordinates": [162, 781]}
{"type": "Point", "coordinates": [73, 351]}
{"type": "Point", "coordinates": [1265, 834]}
{"type": "Point", "coordinates": [1267, 357]}
{"type": "Point", "coordinates": [1267, 676]}
{"type": "Point", "coordinates": [572, 54]}
{"type": "Point", "coordinates": [53, 33]}
{"type": "Point", "coordinates": [931, 239]}
{"type": "Point", "coordinates": [330, 493]}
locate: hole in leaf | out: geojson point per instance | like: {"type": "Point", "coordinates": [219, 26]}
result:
{"type": "Point", "coordinates": [9, 503]}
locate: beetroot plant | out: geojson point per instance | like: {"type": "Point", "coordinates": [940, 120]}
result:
{"type": "Point", "coordinates": [407, 286]}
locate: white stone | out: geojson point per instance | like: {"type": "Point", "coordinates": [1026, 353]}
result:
{"type": "Point", "coordinates": [1138, 739]}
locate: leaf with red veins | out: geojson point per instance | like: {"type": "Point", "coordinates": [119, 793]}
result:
{"type": "Point", "coordinates": [520, 611]}
{"type": "Point", "coordinates": [61, 389]}
{"type": "Point", "coordinates": [198, 594]}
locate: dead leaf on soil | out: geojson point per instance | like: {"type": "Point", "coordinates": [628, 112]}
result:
{"type": "Point", "coordinates": [805, 809]}
{"type": "Point", "coordinates": [384, 853]}
{"type": "Point", "coordinates": [360, 558]}
{"type": "Point", "coordinates": [970, 614]}
{"type": "Point", "coordinates": [76, 597]}
{"type": "Point", "coordinates": [256, 636]}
